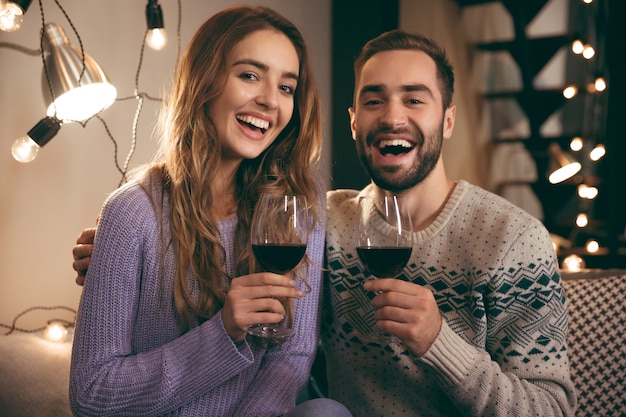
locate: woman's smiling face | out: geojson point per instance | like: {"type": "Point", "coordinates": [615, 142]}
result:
{"type": "Point", "coordinates": [257, 101]}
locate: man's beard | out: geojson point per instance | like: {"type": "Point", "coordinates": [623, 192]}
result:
{"type": "Point", "coordinates": [391, 178]}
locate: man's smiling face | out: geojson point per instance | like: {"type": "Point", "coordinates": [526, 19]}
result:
{"type": "Point", "coordinates": [398, 118]}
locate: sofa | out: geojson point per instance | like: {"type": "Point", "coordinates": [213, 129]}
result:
{"type": "Point", "coordinates": [597, 340]}
{"type": "Point", "coordinates": [34, 373]}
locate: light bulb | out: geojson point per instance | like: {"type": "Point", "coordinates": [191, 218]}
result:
{"type": "Point", "coordinates": [11, 16]}
{"type": "Point", "coordinates": [156, 38]}
{"type": "Point", "coordinates": [570, 91]}
{"type": "Point", "coordinates": [26, 148]}
{"type": "Point", "coordinates": [576, 144]}
{"type": "Point", "coordinates": [585, 191]}
{"type": "Point", "coordinates": [582, 220]}
{"type": "Point", "coordinates": [55, 332]}
{"type": "Point", "coordinates": [592, 246]}
{"type": "Point", "coordinates": [597, 153]}
{"type": "Point", "coordinates": [588, 52]}
{"type": "Point", "coordinates": [573, 263]}
{"type": "Point", "coordinates": [578, 47]}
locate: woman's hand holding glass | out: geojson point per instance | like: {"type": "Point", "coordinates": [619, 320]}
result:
{"type": "Point", "coordinates": [279, 235]}
{"type": "Point", "coordinates": [254, 299]}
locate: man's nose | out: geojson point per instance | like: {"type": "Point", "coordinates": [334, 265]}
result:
{"type": "Point", "coordinates": [394, 114]}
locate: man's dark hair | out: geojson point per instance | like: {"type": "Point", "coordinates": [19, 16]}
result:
{"type": "Point", "coordinates": [401, 40]}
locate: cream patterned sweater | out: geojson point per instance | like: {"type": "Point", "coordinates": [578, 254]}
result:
{"type": "Point", "coordinates": [502, 347]}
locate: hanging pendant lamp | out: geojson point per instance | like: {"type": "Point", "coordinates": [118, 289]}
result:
{"type": "Point", "coordinates": [563, 167]}
{"type": "Point", "coordinates": [75, 88]}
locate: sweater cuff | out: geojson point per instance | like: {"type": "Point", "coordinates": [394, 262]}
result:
{"type": "Point", "coordinates": [242, 347]}
{"type": "Point", "coordinates": [450, 357]}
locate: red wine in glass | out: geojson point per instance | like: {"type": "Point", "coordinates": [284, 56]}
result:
{"type": "Point", "coordinates": [279, 234]}
{"type": "Point", "coordinates": [384, 261]}
{"type": "Point", "coordinates": [383, 236]}
{"type": "Point", "coordinates": [278, 258]}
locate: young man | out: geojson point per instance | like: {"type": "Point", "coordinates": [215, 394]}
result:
{"type": "Point", "coordinates": [479, 308]}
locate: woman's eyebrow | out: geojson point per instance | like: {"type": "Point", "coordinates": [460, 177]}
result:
{"type": "Point", "coordinates": [264, 67]}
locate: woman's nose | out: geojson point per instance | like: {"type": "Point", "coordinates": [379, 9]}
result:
{"type": "Point", "coordinates": [268, 97]}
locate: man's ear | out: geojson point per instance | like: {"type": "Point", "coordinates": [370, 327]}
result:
{"type": "Point", "coordinates": [352, 122]}
{"type": "Point", "coordinates": [449, 116]}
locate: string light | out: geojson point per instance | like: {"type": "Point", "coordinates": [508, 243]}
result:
{"type": "Point", "coordinates": [582, 220]}
{"type": "Point", "coordinates": [26, 148]}
{"type": "Point", "coordinates": [587, 192]}
{"type": "Point", "coordinates": [156, 38]}
{"type": "Point", "coordinates": [578, 47]}
{"type": "Point", "coordinates": [588, 52]}
{"type": "Point", "coordinates": [14, 328]}
{"type": "Point", "coordinates": [12, 14]}
{"type": "Point", "coordinates": [55, 332]}
{"type": "Point", "coordinates": [592, 246]}
{"type": "Point", "coordinates": [573, 263]}
{"type": "Point", "coordinates": [576, 144]}
{"type": "Point", "coordinates": [597, 153]}
{"type": "Point", "coordinates": [570, 91]}
{"type": "Point", "coordinates": [600, 84]}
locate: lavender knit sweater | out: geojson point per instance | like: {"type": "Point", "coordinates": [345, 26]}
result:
{"type": "Point", "coordinates": [130, 355]}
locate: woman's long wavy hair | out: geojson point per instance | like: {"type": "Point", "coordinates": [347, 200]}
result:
{"type": "Point", "coordinates": [190, 152]}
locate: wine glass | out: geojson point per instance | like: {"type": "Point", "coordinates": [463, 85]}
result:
{"type": "Point", "coordinates": [279, 234]}
{"type": "Point", "coordinates": [384, 241]}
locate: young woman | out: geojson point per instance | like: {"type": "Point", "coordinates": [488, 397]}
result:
{"type": "Point", "coordinates": [172, 285]}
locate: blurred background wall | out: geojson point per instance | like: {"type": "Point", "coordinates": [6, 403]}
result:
{"type": "Point", "coordinates": [46, 203]}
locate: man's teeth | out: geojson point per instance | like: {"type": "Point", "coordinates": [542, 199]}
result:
{"type": "Point", "coordinates": [256, 122]}
{"type": "Point", "coordinates": [395, 142]}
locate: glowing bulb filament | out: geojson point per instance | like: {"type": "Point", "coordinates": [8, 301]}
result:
{"type": "Point", "coordinates": [25, 149]}
{"type": "Point", "coordinates": [11, 16]}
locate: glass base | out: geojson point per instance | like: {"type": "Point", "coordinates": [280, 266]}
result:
{"type": "Point", "coordinates": [267, 331]}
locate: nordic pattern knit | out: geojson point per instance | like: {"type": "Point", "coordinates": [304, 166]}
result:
{"type": "Point", "coordinates": [130, 355]}
{"type": "Point", "coordinates": [502, 347]}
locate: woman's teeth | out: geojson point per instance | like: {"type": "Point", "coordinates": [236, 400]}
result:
{"type": "Point", "coordinates": [254, 122]}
